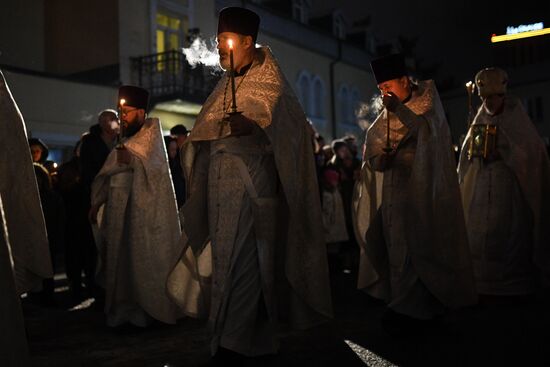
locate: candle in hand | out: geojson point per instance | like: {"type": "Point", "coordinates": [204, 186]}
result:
{"type": "Point", "coordinates": [232, 76]}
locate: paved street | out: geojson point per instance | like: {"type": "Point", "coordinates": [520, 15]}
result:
{"type": "Point", "coordinates": [489, 336]}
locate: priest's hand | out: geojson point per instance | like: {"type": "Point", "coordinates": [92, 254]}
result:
{"type": "Point", "coordinates": [390, 101]}
{"type": "Point", "coordinates": [240, 125]}
{"type": "Point", "coordinates": [123, 155]}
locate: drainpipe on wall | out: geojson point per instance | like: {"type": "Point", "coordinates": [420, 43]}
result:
{"type": "Point", "coordinates": [332, 86]}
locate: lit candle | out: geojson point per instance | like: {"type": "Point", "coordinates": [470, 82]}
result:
{"type": "Point", "coordinates": [232, 76]}
{"type": "Point", "coordinates": [470, 87]}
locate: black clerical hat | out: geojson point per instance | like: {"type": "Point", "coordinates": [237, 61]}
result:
{"type": "Point", "coordinates": [388, 67]}
{"type": "Point", "coordinates": [239, 20]}
{"type": "Point", "coordinates": [134, 96]}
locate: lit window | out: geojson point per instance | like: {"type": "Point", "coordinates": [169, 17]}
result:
{"type": "Point", "coordinates": [174, 23]}
{"type": "Point", "coordinates": [160, 41]}
{"type": "Point", "coordinates": [171, 32]}
{"type": "Point", "coordinates": [170, 35]}
{"type": "Point", "coordinates": [162, 20]}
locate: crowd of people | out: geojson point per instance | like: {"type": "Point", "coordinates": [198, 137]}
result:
{"type": "Point", "coordinates": [338, 167]}
{"type": "Point", "coordinates": [238, 221]}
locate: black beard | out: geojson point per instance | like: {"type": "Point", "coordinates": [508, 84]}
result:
{"type": "Point", "coordinates": [131, 129]}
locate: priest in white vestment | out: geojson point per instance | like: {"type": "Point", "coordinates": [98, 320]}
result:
{"type": "Point", "coordinates": [24, 254]}
{"type": "Point", "coordinates": [504, 175]}
{"type": "Point", "coordinates": [139, 226]}
{"type": "Point", "coordinates": [409, 218]}
{"type": "Point", "coordinates": [253, 236]}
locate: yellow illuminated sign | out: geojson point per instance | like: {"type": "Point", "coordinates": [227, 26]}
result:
{"type": "Point", "coordinates": [515, 36]}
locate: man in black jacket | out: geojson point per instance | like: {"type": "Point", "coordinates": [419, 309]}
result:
{"type": "Point", "coordinates": [94, 149]}
{"type": "Point", "coordinates": [180, 133]}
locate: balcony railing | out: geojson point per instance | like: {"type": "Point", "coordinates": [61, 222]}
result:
{"type": "Point", "coordinates": [168, 76]}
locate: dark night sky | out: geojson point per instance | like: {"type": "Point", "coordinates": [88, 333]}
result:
{"type": "Point", "coordinates": [453, 34]}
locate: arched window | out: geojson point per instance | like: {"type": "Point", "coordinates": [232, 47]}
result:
{"type": "Point", "coordinates": [318, 96]}
{"type": "Point", "coordinates": [355, 104]}
{"type": "Point", "coordinates": [344, 97]}
{"type": "Point", "coordinates": [303, 86]}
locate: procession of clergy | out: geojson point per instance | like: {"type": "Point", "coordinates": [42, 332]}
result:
{"type": "Point", "coordinates": [245, 250]}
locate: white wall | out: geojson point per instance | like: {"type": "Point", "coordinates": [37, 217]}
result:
{"type": "Point", "coordinates": [58, 111]}
{"type": "Point", "coordinates": [135, 34]}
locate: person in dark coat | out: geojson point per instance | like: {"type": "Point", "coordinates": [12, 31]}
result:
{"type": "Point", "coordinates": [94, 149]}
{"type": "Point", "coordinates": [97, 144]}
{"type": "Point", "coordinates": [54, 216]}
{"type": "Point", "coordinates": [344, 162]}
{"type": "Point", "coordinates": [39, 153]}
{"type": "Point", "coordinates": [69, 185]}
{"type": "Point", "coordinates": [179, 133]}
{"type": "Point", "coordinates": [39, 150]}
{"type": "Point", "coordinates": [175, 168]}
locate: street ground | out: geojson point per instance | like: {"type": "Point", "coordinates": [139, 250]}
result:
{"type": "Point", "coordinates": [74, 334]}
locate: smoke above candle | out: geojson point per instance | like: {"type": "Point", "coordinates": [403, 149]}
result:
{"type": "Point", "coordinates": [368, 111]}
{"type": "Point", "coordinates": [201, 53]}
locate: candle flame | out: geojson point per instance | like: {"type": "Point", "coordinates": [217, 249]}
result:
{"type": "Point", "coordinates": [470, 87]}
{"type": "Point", "coordinates": [230, 43]}
{"type": "Point", "coordinates": [122, 102]}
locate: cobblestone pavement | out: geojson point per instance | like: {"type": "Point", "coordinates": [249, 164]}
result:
{"type": "Point", "coordinates": [495, 335]}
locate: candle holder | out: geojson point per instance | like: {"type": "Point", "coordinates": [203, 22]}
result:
{"type": "Point", "coordinates": [470, 88]}
{"type": "Point", "coordinates": [121, 103]}
{"type": "Point", "coordinates": [388, 148]}
{"type": "Point", "coordinates": [232, 77]}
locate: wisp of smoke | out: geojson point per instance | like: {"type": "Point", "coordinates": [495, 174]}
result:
{"type": "Point", "coordinates": [200, 53]}
{"type": "Point", "coordinates": [376, 105]}
{"type": "Point", "coordinates": [367, 112]}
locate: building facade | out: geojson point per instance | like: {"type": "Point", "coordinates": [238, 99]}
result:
{"type": "Point", "coordinates": [65, 64]}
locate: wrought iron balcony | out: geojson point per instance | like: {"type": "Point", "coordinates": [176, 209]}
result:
{"type": "Point", "coordinates": [168, 76]}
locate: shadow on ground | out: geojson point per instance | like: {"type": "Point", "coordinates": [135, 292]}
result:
{"type": "Point", "coordinates": [490, 335]}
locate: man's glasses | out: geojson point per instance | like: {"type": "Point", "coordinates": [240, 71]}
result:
{"type": "Point", "coordinates": [127, 111]}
